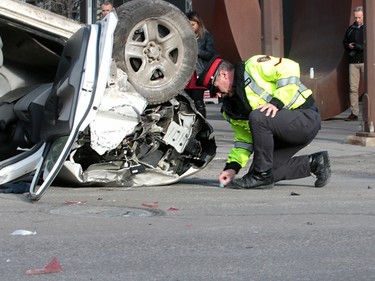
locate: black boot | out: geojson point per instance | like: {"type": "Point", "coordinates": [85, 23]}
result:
{"type": "Point", "coordinates": [201, 107]}
{"type": "Point", "coordinates": [320, 166]}
{"type": "Point", "coordinates": [253, 180]}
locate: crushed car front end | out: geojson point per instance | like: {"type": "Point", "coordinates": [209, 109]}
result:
{"type": "Point", "coordinates": [76, 108]}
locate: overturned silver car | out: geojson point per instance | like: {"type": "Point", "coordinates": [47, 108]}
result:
{"type": "Point", "coordinates": [101, 104]}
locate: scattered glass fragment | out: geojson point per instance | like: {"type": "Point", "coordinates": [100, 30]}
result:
{"type": "Point", "coordinates": [75, 202]}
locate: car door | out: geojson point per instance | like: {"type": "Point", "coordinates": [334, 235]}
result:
{"type": "Point", "coordinates": [80, 82]}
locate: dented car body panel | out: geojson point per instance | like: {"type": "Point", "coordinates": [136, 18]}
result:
{"type": "Point", "coordinates": [75, 117]}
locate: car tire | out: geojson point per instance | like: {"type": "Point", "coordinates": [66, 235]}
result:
{"type": "Point", "coordinates": [156, 46]}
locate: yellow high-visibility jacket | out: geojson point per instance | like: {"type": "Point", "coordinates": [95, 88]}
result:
{"type": "Point", "coordinates": [260, 80]}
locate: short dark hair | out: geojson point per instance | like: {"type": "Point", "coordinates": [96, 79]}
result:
{"type": "Point", "coordinates": [105, 3]}
{"type": "Point", "coordinates": [224, 65]}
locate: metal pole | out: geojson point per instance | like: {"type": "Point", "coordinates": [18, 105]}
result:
{"type": "Point", "coordinates": [368, 100]}
{"type": "Point", "coordinates": [272, 27]}
{"type": "Point", "coordinates": [83, 11]}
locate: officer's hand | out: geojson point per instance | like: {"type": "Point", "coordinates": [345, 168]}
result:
{"type": "Point", "coordinates": [226, 176]}
{"type": "Point", "coordinates": [269, 108]}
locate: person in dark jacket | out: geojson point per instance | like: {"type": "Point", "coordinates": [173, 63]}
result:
{"type": "Point", "coordinates": [206, 50]}
{"type": "Point", "coordinates": [353, 44]}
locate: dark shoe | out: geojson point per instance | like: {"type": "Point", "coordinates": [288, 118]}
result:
{"type": "Point", "coordinates": [320, 166]}
{"type": "Point", "coordinates": [253, 180]}
{"type": "Point", "coordinates": [351, 117]}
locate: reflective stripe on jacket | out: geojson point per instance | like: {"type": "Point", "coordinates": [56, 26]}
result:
{"type": "Point", "coordinates": [267, 78]}
{"type": "Point", "coordinates": [243, 141]}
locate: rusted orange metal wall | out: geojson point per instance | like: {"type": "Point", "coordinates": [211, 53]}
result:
{"type": "Point", "coordinates": [313, 37]}
{"type": "Point", "coordinates": [235, 25]}
{"type": "Point", "coordinates": [317, 42]}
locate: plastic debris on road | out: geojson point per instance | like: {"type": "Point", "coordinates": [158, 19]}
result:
{"type": "Point", "coordinates": [23, 232]}
{"type": "Point", "coordinates": [294, 193]}
{"type": "Point", "coordinates": [75, 202]}
{"type": "Point", "coordinates": [53, 267]}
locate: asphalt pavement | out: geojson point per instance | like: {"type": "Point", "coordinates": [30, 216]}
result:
{"type": "Point", "coordinates": [194, 230]}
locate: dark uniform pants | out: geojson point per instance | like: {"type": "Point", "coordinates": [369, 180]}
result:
{"type": "Point", "coordinates": [277, 139]}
